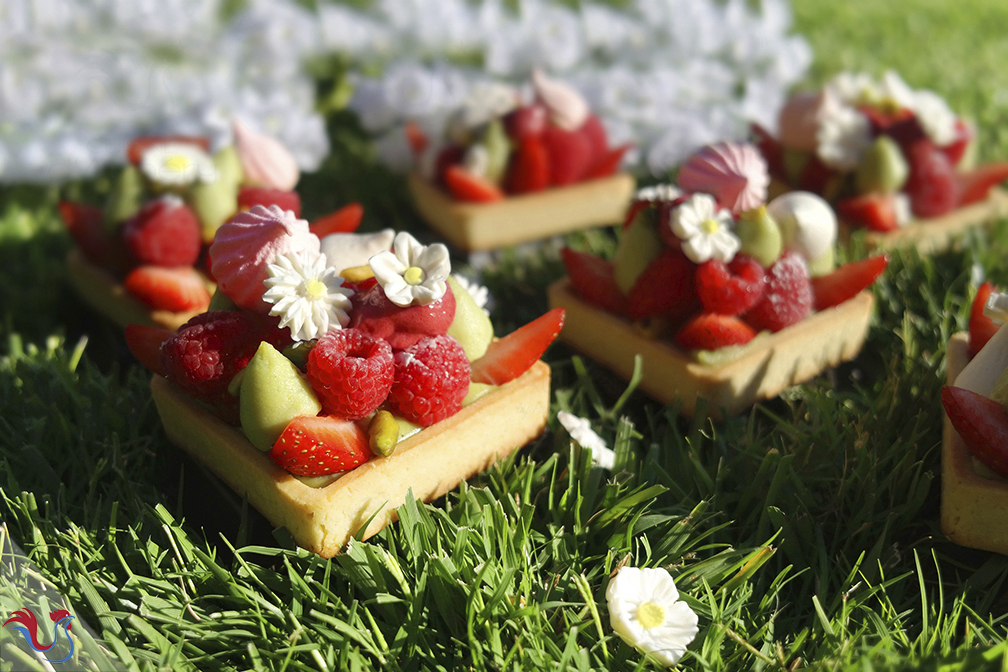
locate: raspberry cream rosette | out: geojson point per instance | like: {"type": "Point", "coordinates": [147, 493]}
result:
{"type": "Point", "coordinates": [723, 294]}
{"type": "Point", "coordinates": [327, 393]}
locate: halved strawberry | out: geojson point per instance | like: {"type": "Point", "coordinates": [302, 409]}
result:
{"type": "Point", "coordinates": [974, 185]}
{"type": "Point", "coordinates": [465, 186]}
{"type": "Point", "coordinates": [285, 200]}
{"type": "Point", "coordinates": [85, 223]}
{"type": "Point", "coordinates": [874, 210]}
{"type": "Point", "coordinates": [176, 289]}
{"type": "Point", "coordinates": [709, 331]}
{"type": "Point", "coordinates": [594, 132]}
{"type": "Point", "coordinates": [528, 169]}
{"type": "Point", "coordinates": [981, 327]}
{"type": "Point", "coordinates": [570, 155]}
{"type": "Point", "coordinates": [932, 184]}
{"type": "Point", "coordinates": [592, 276]}
{"type": "Point", "coordinates": [606, 164]}
{"type": "Point", "coordinates": [666, 287]}
{"type": "Point", "coordinates": [730, 289]}
{"type": "Point", "coordinates": [136, 149]}
{"type": "Point", "coordinates": [416, 138]}
{"type": "Point", "coordinates": [511, 356]}
{"type": "Point", "coordinates": [983, 425]}
{"type": "Point", "coordinates": [144, 343]}
{"type": "Point", "coordinates": [320, 445]}
{"type": "Point", "coordinates": [344, 220]}
{"type": "Point", "coordinates": [165, 232]}
{"type": "Point", "coordinates": [846, 281]}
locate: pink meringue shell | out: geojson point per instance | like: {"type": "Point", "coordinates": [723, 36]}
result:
{"type": "Point", "coordinates": [245, 246]}
{"type": "Point", "coordinates": [798, 121]}
{"type": "Point", "coordinates": [568, 109]}
{"type": "Point", "coordinates": [733, 173]}
{"type": "Point", "coordinates": [266, 162]}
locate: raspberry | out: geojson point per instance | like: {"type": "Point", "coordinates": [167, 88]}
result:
{"type": "Point", "coordinates": [351, 372]}
{"type": "Point", "coordinates": [788, 296]}
{"type": "Point", "coordinates": [431, 379]}
{"type": "Point", "coordinates": [931, 184]}
{"type": "Point", "coordinates": [730, 289]}
{"type": "Point", "coordinates": [165, 232]}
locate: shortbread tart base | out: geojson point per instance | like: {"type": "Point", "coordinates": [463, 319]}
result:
{"type": "Point", "coordinates": [106, 295]}
{"type": "Point", "coordinates": [476, 227]}
{"type": "Point", "coordinates": [974, 508]}
{"type": "Point", "coordinates": [790, 356]}
{"type": "Point", "coordinates": [423, 466]}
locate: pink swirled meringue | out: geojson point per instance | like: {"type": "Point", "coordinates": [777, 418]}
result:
{"type": "Point", "coordinates": [734, 173]}
{"type": "Point", "coordinates": [245, 246]}
{"type": "Point", "coordinates": [266, 162]}
{"type": "Point", "coordinates": [568, 109]}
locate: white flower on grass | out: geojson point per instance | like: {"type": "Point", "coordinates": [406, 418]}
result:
{"type": "Point", "coordinates": [478, 292]}
{"type": "Point", "coordinates": [644, 609]}
{"type": "Point", "coordinates": [705, 230]}
{"type": "Point", "coordinates": [580, 430]}
{"type": "Point", "coordinates": [659, 192]}
{"type": "Point", "coordinates": [177, 164]}
{"type": "Point", "coordinates": [306, 294]}
{"type": "Point", "coordinates": [412, 274]}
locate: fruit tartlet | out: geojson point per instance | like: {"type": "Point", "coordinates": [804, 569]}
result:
{"type": "Point", "coordinates": [343, 378]}
{"type": "Point", "coordinates": [974, 495]}
{"type": "Point", "coordinates": [723, 295]}
{"type": "Point", "coordinates": [509, 172]}
{"type": "Point", "coordinates": [142, 258]}
{"type": "Point", "coordinates": [893, 160]}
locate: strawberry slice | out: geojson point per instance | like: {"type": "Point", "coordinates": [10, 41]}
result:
{"type": "Point", "coordinates": [932, 184]}
{"type": "Point", "coordinates": [285, 200]}
{"type": "Point", "coordinates": [570, 155]}
{"type": "Point", "coordinates": [983, 425]}
{"type": "Point", "coordinates": [465, 186]}
{"type": "Point", "coordinates": [594, 132]}
{"type": "Point", "coordinates": [710, 331]}
{"type": "Point", "coordinates": [511, 356]}
{"type": "Point", "coordinates": [416, 138]}
{"type": "Point", "coordinates": [981, 327]}
{"type": "Point", "coordinates": [874, 210]}
{"type": "Point", "coordinates": [344, 220]}
{"type": "Point", "coordinates": [770, 148]}
{"type": "Point", "coordinates": [529, 169]}
{"type": "Point", "coordinates": [974, 185]}
{"type": "Point", "coordinates": [964, 135]}
{"type": "Point", "coordinates": [606, 164]}
{"type": "Point", "coordinates": [136, 149]}
{"type": "Point", "coordinates": [666, 287]}
{"type": "Point", "coordinates": [144, 343]}
{"type": "Point", "coordinates": [593, 278]}
{"type": "Point", "coordinates": [85, 223]}
{"type": "Point", "coordinates": [176, 289]}
{"type": "Point", "coordinates": [846, 281]}
{"type": "Point", "coordinates": [320, 445]}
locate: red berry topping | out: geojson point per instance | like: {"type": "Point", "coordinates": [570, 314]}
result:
{"type": "Point", "coordinates": [344, 220]}
{"type": "Point", "coordinates": [709, 331]}
{"type": "Point", "coordinates": [730, 289]}
{"type": "Point", "coordinates": [431, 379]}
{"type": "Point", "coordinates": [510, 356]}
{"type": "Point", "coordinates": [570, 155]}
{"type": "Point", "coordinates": [139, 146]}
{"type": "Point", "coordinates": [177, 289]}
{"type": "Point", "coordinates": [981, 327]}
{"type": "Point", "coordinates": [593, 278]}
{"type": "Point", "coordinates": [593, 131]}
{"type": "Point", "coordinates": [846, 281]}
{"type": "Point", "coordinates": [165, 232]}
{"type": "Point", "coordinates": [983, 425]}
{"type": "Point", "coordinates": [607, 163]}
{"type": "Point", "coordinates": [529, 169]}
{"type": "Point", "coordinates": [788, 296]}
{"type": "Point", "coordinates": [874, 210]}
{"type": "Point", "coordinates": [320, 445]}
{"type": "Point", "coordinates": [374, 314]}
{"type": "Point", "coordinates": [351, 372]}
{"type": "Point", "coordinates": [285, 200]}
{"type": "Point", "coordinates": [666, 287]}
{"type": "Point", "coordinates": [530, 120]}
{"type": "Point", "coordinates": [975, 185]}
{"type": "Point", "coordinates": [931, 183]}
{"type": "Point", "coordinates": [466, 186]}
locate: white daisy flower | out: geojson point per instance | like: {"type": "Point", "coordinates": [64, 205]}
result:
{"type": "Point", "coordinates": [644, 609]}
{"type": "Point", "coordinates": [306, 294]}
{"type": "Point", "coordinates": [705, 230]}
{"type": "Point", "coordinates": [478, 292]}
{"type": "Point", "coordinates": [843, 137]}
{"type": "Point", "coordinates": [659, 192]}
{"type": "Point", "coordinates": [580, 431]}
{"type": "Point", "coordinates": [177, 164]}
{"type": "Point", "coordinates": [412, 274]}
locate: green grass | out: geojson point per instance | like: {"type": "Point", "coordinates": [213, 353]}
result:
{"type": "Point", "coordinates": [804, 533]}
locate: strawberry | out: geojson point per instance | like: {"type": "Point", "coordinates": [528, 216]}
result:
{"type": "Point", "coordinates": [85, 223]}
{"type": "Point", "coordinates": [846, 281]}
{"type": "Point", "coordinates": [710, 331]}
{"type": "Point", "coordinates": [931, 183]}
{"type": "Point", "coordinates": [983, 425]}
{"type": "Point", "coordinates": [730, 289]}
{"type": "Point", "coordinates": [320, 445]}
{"type": "Point", "coordinates": [594, 132]}
{"type": "Point", "coordinates": [344, 220]}
{"type": "Point", "coordinates": [607, 163]}
{"type": "Point", "coordinates": [874, 210]}
{"type": "Point", "coordinates": [974, 185]}
{"type": "Point", "coordinates": [144, 344]}
{"type": "Point", "coordinates": [901, 126]}
{"type": "Point", "coordinates": [465, 186]}
{"type": "Point", "coordinates": [523, 122]}
{"type": "Point", "coordinates": [448, 156]}
{"type": "Point", "coordinates": [416, 138]}
{"type": "Point", "coordinates": [981, 327]}
{"type": "Point", "coordinates": [529, 168]}
{"type": "Point", "coordinates": [770, 148]}
{"type": "Point", "coordinates": [285, 200]}
{"type": "Point", "coordinates": [136, 149]}
{"type": "Point", "coordinates": [666, 287]}
{"type": "Point", "coordinates": [815, 176]}
{"type": "Point", "coordinates": [570, 155]}
{"type": "Point", "coordinates": [788, 297]}
{"type": "Point", "coordinates": [514, 354]}
{"type": "Point", "coordinates": [175, 289]}
{"type": "Point", "coordinates": [964, 135]}
{"type": "Point", "coordinates": [165, 232]}
{"type": "Point", "coordinates": [593, 278]}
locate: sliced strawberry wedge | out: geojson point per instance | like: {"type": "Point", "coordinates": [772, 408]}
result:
{"type": "Point", "coordinates": [964, 135]}
{"type": "Point", "coordinates": [465, 186]}
{"type": "Point", "coordinates": [709, 331]}
{"type": "Point", "coordinates": [593, 278]}
{"type": "Point", "coordinates": [176, 289]}
{"type": "Point", "coordinates": [320, 445]}
{"type": "Point", "coordinates": [344, 220]}
{"type": "Point", "coordinates": [607, 164]}
{"type": "Point", "coordinates": [666, 287]}
{"type": "Point", "coordinates": [85, 223]}
{"type": "Point", "coordinates": [570, 155]}
{"type": "Point", "coordinates": [529, 169]}
{"type": "Point", "coordinates": [511, 356]}
{"type": "Point", "coordinates": [136, 149]}
{"type": "Point", "coordinates": [845, 282]}
{"type": "Point", "coordinates": [416, 138]}
{"type": "Point", "coordinates": [983, 425]}
{"type": "Point", "coordinates": [981, 327]}
{"type": "Point", "coordinates": [875, 210]}
{"type": "Point", "coordinates": [974, 185]}
{"type": "Point", "coordinates": [144, 343]}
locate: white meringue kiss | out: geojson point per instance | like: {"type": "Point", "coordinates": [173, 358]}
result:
{"type": "Point", "coordinates": [807, 223]}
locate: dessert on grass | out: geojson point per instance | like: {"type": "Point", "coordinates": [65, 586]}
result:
{"type": "Point", "coordinates": [144, 255]}
{"type": "Point", "coordinates": [319, 371]}
{"type": "Point", "coordinates": [883, 153]}
{"type": "Point", "coordinates": [506, 169]}
{"type": "Point", "coordinates": [709, 278]}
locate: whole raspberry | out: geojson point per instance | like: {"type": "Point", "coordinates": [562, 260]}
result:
{"type": "Point", "coordinates": [730, 289]}
{"type": "Point", "coordinates": [788, 295]}
{"type": "Point", "coordinates": [431, 379]}
{"type": "Point", "coordinates": [351, 372]}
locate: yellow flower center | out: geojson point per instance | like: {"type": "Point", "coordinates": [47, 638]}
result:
{"type": "Point", "coordinates": [177, 163]}
{"type": "Point", "coordinates": [315, 289]}
{"type": "Point", "coordinates": [650, 615]}
{"type": "Point", "coordinates": [710, 226]}
{"type": "Point", "coordinates": [414, 275]}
